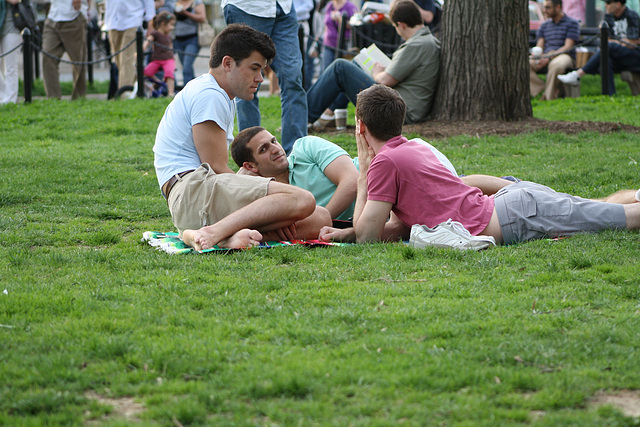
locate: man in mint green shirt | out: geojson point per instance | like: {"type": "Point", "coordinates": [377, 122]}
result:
{"type": "Point", "coordinates": [316, 164]}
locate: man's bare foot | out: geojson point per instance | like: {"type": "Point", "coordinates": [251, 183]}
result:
{"type": "Point", "coordinates": [204, 238]}
{"type": "Point", "coordinates": [244, 238]}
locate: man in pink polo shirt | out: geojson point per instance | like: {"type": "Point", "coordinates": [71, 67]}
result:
{"type": "Point", "coordinates": [401, 184]}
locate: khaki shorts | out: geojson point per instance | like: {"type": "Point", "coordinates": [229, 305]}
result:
{"type": "Point", "coordinates": [204, 197]}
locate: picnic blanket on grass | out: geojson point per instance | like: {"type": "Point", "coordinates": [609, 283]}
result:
{"type": "Point", "coordinates": [171, 243]}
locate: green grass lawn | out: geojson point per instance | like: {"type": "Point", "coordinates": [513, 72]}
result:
{"type": "Point", "coordinates": [94, 322]}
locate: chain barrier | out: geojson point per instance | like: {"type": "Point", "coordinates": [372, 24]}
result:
{"type": "Point", "coordinates": [97, 61]}
{"type": "Point", "coordinates": [587, 41]}
{"type": "Point", "coordinates": [627, 45]}
{"type": "Point", "coordinates": [107, 58]}
{"type": "Point", "coordinates": [12, 50]}
{"type": "Point", "coordinates": [179, 51]}
{"type": "Point", "coordinates": [372, 40]}
{"type": "Point", "coordinates": [343, 52]}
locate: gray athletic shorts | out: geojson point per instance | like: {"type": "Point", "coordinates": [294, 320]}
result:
{"type": "Point", "coordinates": [204, 197]}
{"type": "Point", "coordinates": [528, 211]}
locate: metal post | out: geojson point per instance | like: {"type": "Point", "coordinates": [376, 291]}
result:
{"type": "Point", "coordinates": [36, 57]}
{"type": "Point", "coordinates": [604, 58]}
{"type": "Point", "coordinates": [27, 57]}
{"type": "Point", "coordinates": [341, 36]}
{"type": "Point", "coordinates": [90, 35]}
{"type": "Point", "coordinates": [140, 62]}
{"type": "Point", "coordinates": [302, 49]}
{"type": "Point", "coordinates": [590, 15]}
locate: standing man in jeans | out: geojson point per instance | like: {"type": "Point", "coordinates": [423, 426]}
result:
{"type": "Point", "coordinates": [65, 30]}
{"type": "Point", "coordinates": [277, 19]}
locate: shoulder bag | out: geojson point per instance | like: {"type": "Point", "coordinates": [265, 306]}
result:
{"type": "Point", "coordinates": [23, 17]}
{"type": "Point", "coordinates": [205, 34]}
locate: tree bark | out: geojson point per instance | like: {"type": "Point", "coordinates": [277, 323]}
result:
{"type": "Point", "coordinates": [484, 72]}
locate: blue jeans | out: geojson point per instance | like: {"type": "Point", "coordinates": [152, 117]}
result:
{"type": "Point", "coordinates": [191, 47]}
{"type": "Point", "coordinates": [328, 56]}
{"type": "Point", "coordinates": [287, 64]}
{"type": "Point", "coordinates": [621, 58]}
{"type": "Point", "coordinates": [342, 78]}
{"type": "Point", "coordinates": [308, 65]}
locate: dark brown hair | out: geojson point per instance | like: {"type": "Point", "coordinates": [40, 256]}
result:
{"type": "Point", "coordinates": [239, 41]}
{"type": "Point", "coordinates": [405, 11]}
{"type": "Point", "coordinates": [240, 153]}
{"type": "Point", "coordinates": [162, 18]}
{"type": "Point", "coordinates": [382, 110]}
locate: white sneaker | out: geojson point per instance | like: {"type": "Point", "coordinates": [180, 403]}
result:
{"type": "Point", "coordinates": [449, 234]}
{"type": "Point", "coordinates": [638, 195]}
{"type": "Point", "coordinates": [571, 78]}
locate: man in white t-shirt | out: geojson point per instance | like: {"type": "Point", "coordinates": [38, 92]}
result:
{"type": "Point", "coordinates": [209, 204]}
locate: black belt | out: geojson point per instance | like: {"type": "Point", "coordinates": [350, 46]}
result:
{"type": "Point", "coordinates": [169, 184]}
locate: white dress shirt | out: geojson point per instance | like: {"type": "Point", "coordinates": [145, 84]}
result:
{"type": "Point", "coordinates": [63, 11]}
{"type": "Point", "coordinates": [121, 15]}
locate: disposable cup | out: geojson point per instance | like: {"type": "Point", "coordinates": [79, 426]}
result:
{"type": "Point", "coordinates": [536, 52]}
{"type": "Point", "coordinates": [341, 118]}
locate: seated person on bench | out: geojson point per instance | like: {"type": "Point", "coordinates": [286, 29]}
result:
{"type": "Point", "coordinates": [556, 36]}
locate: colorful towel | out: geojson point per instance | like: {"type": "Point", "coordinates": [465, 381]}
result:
{"type": "Point", "coordinates": [171, 243]}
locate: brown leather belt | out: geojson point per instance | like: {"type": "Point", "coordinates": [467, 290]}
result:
{"type": "Point", "coordinates": [166, 188]}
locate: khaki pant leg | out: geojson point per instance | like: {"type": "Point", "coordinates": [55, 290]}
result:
{"type": "Point", "coordinates": [52, 44]}
{"type": "Point", "coordinates": [126, 59]}
{"type": "Point", "coordinates": [536, 84]}
{"type": "Point", "coordinates": [115, 41]}
{"type": "Point", "coordinates": [74, 38]}
{"type": "Point", "coordinates": [127, 67]}
{"type": "Point", "coordinates": [558, 65]}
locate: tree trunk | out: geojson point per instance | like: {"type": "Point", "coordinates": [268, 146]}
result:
{"type": "Point", "coordinates": [484, 72]}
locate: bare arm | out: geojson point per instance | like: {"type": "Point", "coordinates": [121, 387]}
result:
{"type": "Point", "coordinates": [568, 44]}
{"type": "Point", "coordinates": [370, 225]}
{"type": "Point", "coordinates": [427, 15]}
{"type": "Point", "coordinates": [382, 77]}
{"type": "Point", "coordinates": [369, 216]}
{"type": "Point", "coordinates": [395, 229]}
{"type": "Point", "coordinates": [486, 183]}
{"type": "Point", "coordinates": [344, 175]}
{"type": "Point", "coordinates": [630, 42]}
{"type": "Point", "coordinates": [199, 15]}
{"type": "Point", "coordinates": [211, 144]}
{"type": "Point", "coordinates": [147, 42]}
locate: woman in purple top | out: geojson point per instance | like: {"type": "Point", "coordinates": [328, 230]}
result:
{"type": "Point", "coordinates": [332, 20]}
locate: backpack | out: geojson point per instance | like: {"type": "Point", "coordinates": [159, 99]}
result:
{"type": "Point", "coordinates": [24, 17]}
